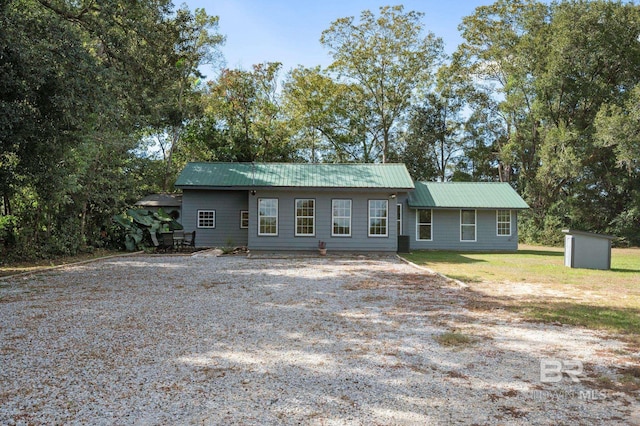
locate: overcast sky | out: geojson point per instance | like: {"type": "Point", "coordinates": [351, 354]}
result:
{"type": "Point", "coordinates": [288, 31]}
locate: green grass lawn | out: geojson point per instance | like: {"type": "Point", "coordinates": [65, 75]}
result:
{"type": "Point", "coordinates": [535, 282]}
{"type": "Point", "coordinates": [530, 264]}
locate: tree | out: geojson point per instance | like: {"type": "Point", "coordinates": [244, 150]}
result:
{"type": "Point", "coordinates": [555, 66]}
{"type": "Point", "coordinates": [484, 139]}
{"type": "Point", "coordinates": [618, 127]}
{"type": "Point", "coordinates": [389, 58]}
{"type": "Point", "coordinates": [498, 57]}
{"type": "Point", "coordinates": [436, 129]}
{"type": "Point", "coordinates": [242, 119]}
{"type": "Point", "coordinates": [46, 94]}
{"type": "Point", "coordinates": [327, 117]}
{"type": "Point", "coordinates": [594, 62]}
{"type": "Point", "coordinates": [80, 79]}
{"type": "Point", "coordinates": [198, 43]}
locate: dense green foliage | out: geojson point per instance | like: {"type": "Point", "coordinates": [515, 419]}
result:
{"type": "Point", "coordinates": [555, 69]}
{"type": "Point", "coordinates": [103, 102]}
{"type": "Point", "coordinates": [81, 83]}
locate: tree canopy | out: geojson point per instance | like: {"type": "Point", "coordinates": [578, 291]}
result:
{"type": "Point", "coordinates": [552, 70]}
{"type": "Point", "coordinates": [389, 57]}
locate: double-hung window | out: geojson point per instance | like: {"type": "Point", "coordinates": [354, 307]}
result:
{"type": "Point", "coordinates": [378, 217]}
{"type": "Point", "coordinates": [206, 218]}
{"type": "Point", "coordinates": [305, 217]}
{"type": "Point", "coordinates": [424, 225]}
{"type": "Point", "coordinates": [399, 218]}
{"type": "Point", "coordinates": [503, 219]}
{"type": "Point", "coordinates": [268, 216]}
{"type": "Point", "coordinates": [341, 218]}
{"type": "Point", "coordinates": [467, 225]}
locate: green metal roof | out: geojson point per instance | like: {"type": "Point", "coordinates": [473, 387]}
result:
{"type": "Point", "coordinates": [477, 195]}
{"type": "Point", "coordinates": [294, 175]}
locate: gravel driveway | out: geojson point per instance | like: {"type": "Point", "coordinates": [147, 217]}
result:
{"type": "Point", "coordinates": [236, 340]}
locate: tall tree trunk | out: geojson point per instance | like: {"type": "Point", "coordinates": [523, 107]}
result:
{"type": "Point", "coordinates": [83, 220]}
{"type": "Point", "coordinates": [175, 130]}
{"type": "Point", "coordinates": [7, 204]}
{"type": "Point", "coordinates": [175, 137]}
{"type": "Point", "coordinates": [385, 142]}
{"type": "Point", "coordinates": [443, 136]}
{"type": "Point", "coordinates": [384, 146]}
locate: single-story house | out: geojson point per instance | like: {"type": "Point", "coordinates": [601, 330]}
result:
{"type": "Point", "coordinates": [350, 207]}
{"type": "Point", "coordinates": [169, 203]}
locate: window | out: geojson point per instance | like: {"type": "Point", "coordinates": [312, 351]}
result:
{"type": "Point", "coordinates": [504, 222]}
{"type": "Point", "coordinates": [268, 216]}
{"type": "Point", "coordinates": [423, 225]}
{"type": "Point", "coordinates": [206, 218]}
{"type": "Point", "coordinates": [244, 219]}
{"type": "Point", "coordinates": [467, 225]}
{"type": "Point", "coordinates": [378, 214]}
{"type": "Point", "coordinates": [305, 217]}
{"type": "Point", "coordinates": [341, 218]}
{"type": "Point", "coordinates": [399, 219]}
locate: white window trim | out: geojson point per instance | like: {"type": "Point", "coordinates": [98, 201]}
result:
{"type": "Point", "coordinates": [199, 218]}
{"type": "Point", "coordinates": [418, 223]}
{"type": "Point", "coordinates": [369, 217]}
{"type": "Point", "coordinates": [475, 226]}
{"type": "Point", "coordinates": [333, 217]}
{"type": "Point", "coordinates": [263, 234]}
{"type": "Point", "coordinates": [498, 223]}
{"type": "Point", "coordinates": [242, 213]}
{"type": "Point", "coordinates": [399, 212]}
{"type": "Point", "coordinates": [296, 217]}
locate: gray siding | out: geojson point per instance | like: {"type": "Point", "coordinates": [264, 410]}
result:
{"type": "Point", "coordinates": [286, 239]}
{"type": "Point", "coordinates": [587, 251]}
{"type": "Point", "coordinates": [446, 231]}
{"type": "Point", "coordinates": [227, 205]}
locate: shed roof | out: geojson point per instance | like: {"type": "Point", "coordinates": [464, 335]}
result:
{"type": "Point", "coordinates": [294, 175]}
{"type": "Point", "coordinates": [477, 195]}
{"type": "Point", "coordinates": [161, 200]}
{"type": "Point", "coordinates": [588, 234]}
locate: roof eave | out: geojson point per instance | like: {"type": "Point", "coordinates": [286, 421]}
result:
{"type": "Point", "coordinates": [588, 234]}
{"type": "Point", "coordinates": [293, 188]}
{"type": "Point", "coordinates": [422, 206]}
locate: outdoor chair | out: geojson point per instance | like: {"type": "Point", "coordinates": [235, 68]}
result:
{"type": "Point", "coordinates": [178, 239]}
{"type": "Point", "coordinates": [189, 239]}
{"type": "Point", "coordinates": [165, 241]}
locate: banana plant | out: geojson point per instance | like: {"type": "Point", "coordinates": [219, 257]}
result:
{"type": "Point", "coordinates": [141, 223]}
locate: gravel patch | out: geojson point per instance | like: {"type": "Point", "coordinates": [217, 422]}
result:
{"type": "Point", "coordinates": [236, 340]}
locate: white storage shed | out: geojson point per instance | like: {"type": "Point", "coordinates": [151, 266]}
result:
{"type": "Point", "coordinates": [587, 250]}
